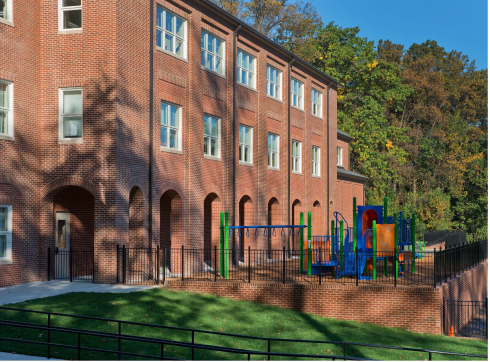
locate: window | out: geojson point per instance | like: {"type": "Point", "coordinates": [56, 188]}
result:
{"type": "Point", "coordinates": [211, 136]}
{"type": "Point", "coordinates": [274, 81]}
{"type": "Point", "coordinates": [296, 93]}
{"type": "Point", "coordinates": [273, 148]}
{"type": "Point", "coordinates": [170, 126]}
{"type": "Point", "coordinates": [6, 10]}
{"type": "Point", "coordinates": [245, 144]}
{"type": "Point", "coordinates": [316, 103]}
{"type": "Point", "coordinates": [6, 105]}
{"type": "Point", "coordinates": [70, 16]}
{"type": "Point", "coordinates": [212, 50]}
{"type": "Point", "coordinates": [171, 32]}
{"type": "Point", "coordinates": [245, 69]}
{"type": "Point", "coordinates": [296, 156]}
{"type": "Point", "coordinates": [339, 156]}
{"type": "Point", "coordinates": [5, 232]}
{"type": "Point", "coordinates": [316, 161]}
{"type": "Point", "coordinates": [71, 114]}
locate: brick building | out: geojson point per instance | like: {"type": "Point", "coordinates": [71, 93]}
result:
{"type": "Point", "coordinates": [107, 108]}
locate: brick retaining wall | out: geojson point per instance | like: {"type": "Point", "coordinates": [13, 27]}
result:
{"type": "Point", "coordinates": [414, 309]}
{"type": "Point", "coordinates": [470, 285]}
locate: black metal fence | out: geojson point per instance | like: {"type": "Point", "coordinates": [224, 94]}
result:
{"type": "Point", "coordinates": [138, 265]}
{"type": "Point", "coordinates": [465, 318]}
{"type": "Point", "coordinates": [70, 264]}
{"type": "Point", "coordinates": [123, 339]}
{"type": "Point", "coordinates": [452, 261]}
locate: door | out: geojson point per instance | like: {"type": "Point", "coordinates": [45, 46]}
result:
{"type": "Point", "coordinates": [62, 257]}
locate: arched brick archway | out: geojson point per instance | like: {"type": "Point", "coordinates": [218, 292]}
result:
{"type": "Point", "coordinates": [274, 218]}
{"type": "Point", "coordinates": [171, 227]}
{"type": "Point", "coordinates": [316, 219]}
{"type": "Point", "coordinates": [245, 217]}
{"type": "Point", "coordinates": [212, 209]}
{"type": "Point", "coordinates": [296, 210]}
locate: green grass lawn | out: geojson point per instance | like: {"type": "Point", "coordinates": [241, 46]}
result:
{"type": "Point", "coordinates": [206, 312]}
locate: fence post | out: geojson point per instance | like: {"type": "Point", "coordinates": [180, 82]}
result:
{"type": "Point", "coordinates": [71, 264]}
{"type": "Point", "coordinates": [486, 317]}
{"type": "Point", "coordinates": [283, 265]}
{"type": "Point", "coordinates": [320, 267]}
{"type": "Point", "coordinates": [434, 267]}
{"type": "Point", "coordinates": [124, 264]}
{"type": "Point", "coordinates": [93, 266]}
{"type": "Point", "coordinates": [450, 262]}
{"type": "Point", "coordinates": [215, 262]}
{"type": "Point", "coordinates": [164, 263]}
{"type": "Point", "coordinates": [158, 264]}
{"type": "Point", "coordinates": [249, 263]}
{"type": "Point", "coordinates": [395, 259]}
{"type": "Point", "coordinates": [357, 266]}
{"type": "Point", "coordinates": [49, 335]}
{"type": "Point", "coordinates": [49, 263]}
{"type": "Point", "coordinates": [117, 263]}
{"type": "Point", "coordinates": [443, 316]}
{"type": "Point", "coordinates": [182, 270]}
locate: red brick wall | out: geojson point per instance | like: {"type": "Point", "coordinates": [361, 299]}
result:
{"type": "Point", "coordinates": [414, 309]}
{"type": "Point", "coordinates": [346, 190]}
{"type": "Point", "coordinates": [470, 285]}
{"type": "Point", "coordinates": [137, 233]}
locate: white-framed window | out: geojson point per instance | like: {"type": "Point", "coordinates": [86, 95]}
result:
{"type": "Point", "coordinates": [245, 139]}
{"type": "Point", "coordinates": [170, 126]}
{"type": "Point", "coordinates": [297, 156]}
{"type": "Point", "coordinates": [6, 10]}
{"type": "Point", "coordinates": [70, 14]}
{"type": "Point", "coordinates": [297, 93]}
{"type": "Point", "coordinates": [6, 108]}
{"type": "Point", "coordinates": [71, 114]}
{"type": "Point", "coordinates": [273, 150]}
{"type": "Point", "coordinates": [245, 69]}
{"type": "Point", "coordinates": [274, 81]}
{"type": "Point", "coordinates": [212, 52]}
{"type": "Point", "coordinates": [5, 232]}
{"type": "Point", "coordinates": [339, 156]}
{"type": "Point", "coordinates": [315, 156]}
{"type": "Point", "coordinates": [212, 132]}
{"type": "Point", "coordinates": [171, 32]}
{"type": "Point", "coordinates": [316, 103]}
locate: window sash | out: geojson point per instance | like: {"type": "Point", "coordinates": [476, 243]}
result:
{"type": "Point", "coordinates": [209, 137]}
{"type": "Point", "coordinates": [339, 156]}
{"type": "Point", "coordinates": [71, 122]}
{"type": "Point", "coordinates": [6, 233]}
{"type": "Point", "coordinates": [316, 102]}
{"type": "Point", "coordinates": [296, 156]}
{"type": "Point", "coordinates": [274, 82]}
{"type": "Point", "coordinates": [212, 59]}
{"type": "Point", "coordinates": [244, 144]}
{"type": "Point", "coordinates": [5, 109]}
{"type": "Point", "coordinates": [273, 150]}
{"type": "Point", "coordinates": [316, 161]}
{"type": "Point", "coordinates": [176, 40]}
{"type": "Point", "coordinates": [245, 69]}
{"type": "Point", "coordinates": [167, 128]}
{"type": "Point", "coordinates": [64, 9]}
{"type": "Point", "coordinates": [296, 93]}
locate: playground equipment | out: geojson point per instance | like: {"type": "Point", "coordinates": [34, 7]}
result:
{"type": "Point", "coordinates": [374, 236]}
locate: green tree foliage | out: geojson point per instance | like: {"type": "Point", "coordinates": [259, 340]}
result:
{"type": "Point", "coordinates": [418, 116]}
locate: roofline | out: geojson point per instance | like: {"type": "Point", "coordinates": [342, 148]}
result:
{"type": "Point", "coordinates": [345, 135]}
{"type": "Point", "coordinates": [356, 176]}
{"type": "Point", "coordinates": [215, 8]}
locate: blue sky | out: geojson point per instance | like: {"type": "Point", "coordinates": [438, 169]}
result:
{"type": "Point", "coordinates": [458, 25]}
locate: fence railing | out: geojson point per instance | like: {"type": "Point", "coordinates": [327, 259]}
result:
{"type": "Point", "coordinates": [124, 331]}
{"type": "Point", "coordinates": [453, 261]}
{"type": "Point", "coordinates": [70, 264]}
{"type": "Point", "coordinates": [465, 318]}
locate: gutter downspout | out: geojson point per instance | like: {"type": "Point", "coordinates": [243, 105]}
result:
{"type": "Point", "coordinates": [290, 209]}
{"type": "Point", "coordinates": [328, 156]}
{"type": "Point", "coordinates": [235, 37]}
{"type": "Point", "coordinates": [150, 169]}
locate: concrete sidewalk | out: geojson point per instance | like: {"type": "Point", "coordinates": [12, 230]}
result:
{"type": "Point", "coordinates": [22, 357]}
{"type": "Point", "coordinates": [29, 291]}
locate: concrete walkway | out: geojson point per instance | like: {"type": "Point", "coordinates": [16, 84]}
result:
{"type": "Point", "coordinates": [29, 291]}
{"type": "Point", "coordinates": [22, 357]}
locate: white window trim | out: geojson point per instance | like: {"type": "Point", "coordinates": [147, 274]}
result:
{"type": "Point", "coordinates": [223, 60]}
{"type": "Point", "coordinates": [320, 103]}
{"type": "Point", "coordinates": [250, 146]}
{"type": "Point", "coordinates": [163, 30]}
{"type": "Point", "coordinates": [179, 133]}
{"type": "Point", "coordinates": [297, 157]}
{"type": "Point", "coordinates": [10, 115]}
{"type": "Point", "coordinates": [318, 162]}
{"type": "Point", "coordinates": [10, 19]}
{"type": "Point", "coordinates": [276, 152]}
{"type": "Point", "coordinates": [254, 72]}
{"type": "Point", "coordinates": [61, 137]}
{"type": "Point", "coordinates": [301, 104]}
{"type": "Point", "coordinates": [279, 83]}
{"type": "Point", "coordinates": [8, 255]}
{"type": "Point", "coordinates": [61, 10]}
{"type": "Point", "coordinates": [218, 119]}
{"type": "Point", "coordinates": [339, 156]}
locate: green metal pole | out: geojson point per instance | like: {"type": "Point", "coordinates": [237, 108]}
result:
{"type": "Point", "coordinates": [374, 249]}
{"type": "Point", "coordinates": [227, 257]}
{"type": "Point", "coordinates": [341, 231]}
{"type": "Point", "coordinates": [395, 262]}
{"type": "Point", "coordinates": [413, 242]}
{"type": "Point", "coordinates": [332, 248]}
{"type": "Point", "coordinates": [301, 266]}
{"type": "Point", "coordinates": [354, 225]}
{"type": "Point", "coordinates": [309, 243]}
{"type": "Point", "coordinates": [385, 211]}
{"type": "Point", "coordinates": [221, 244]}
